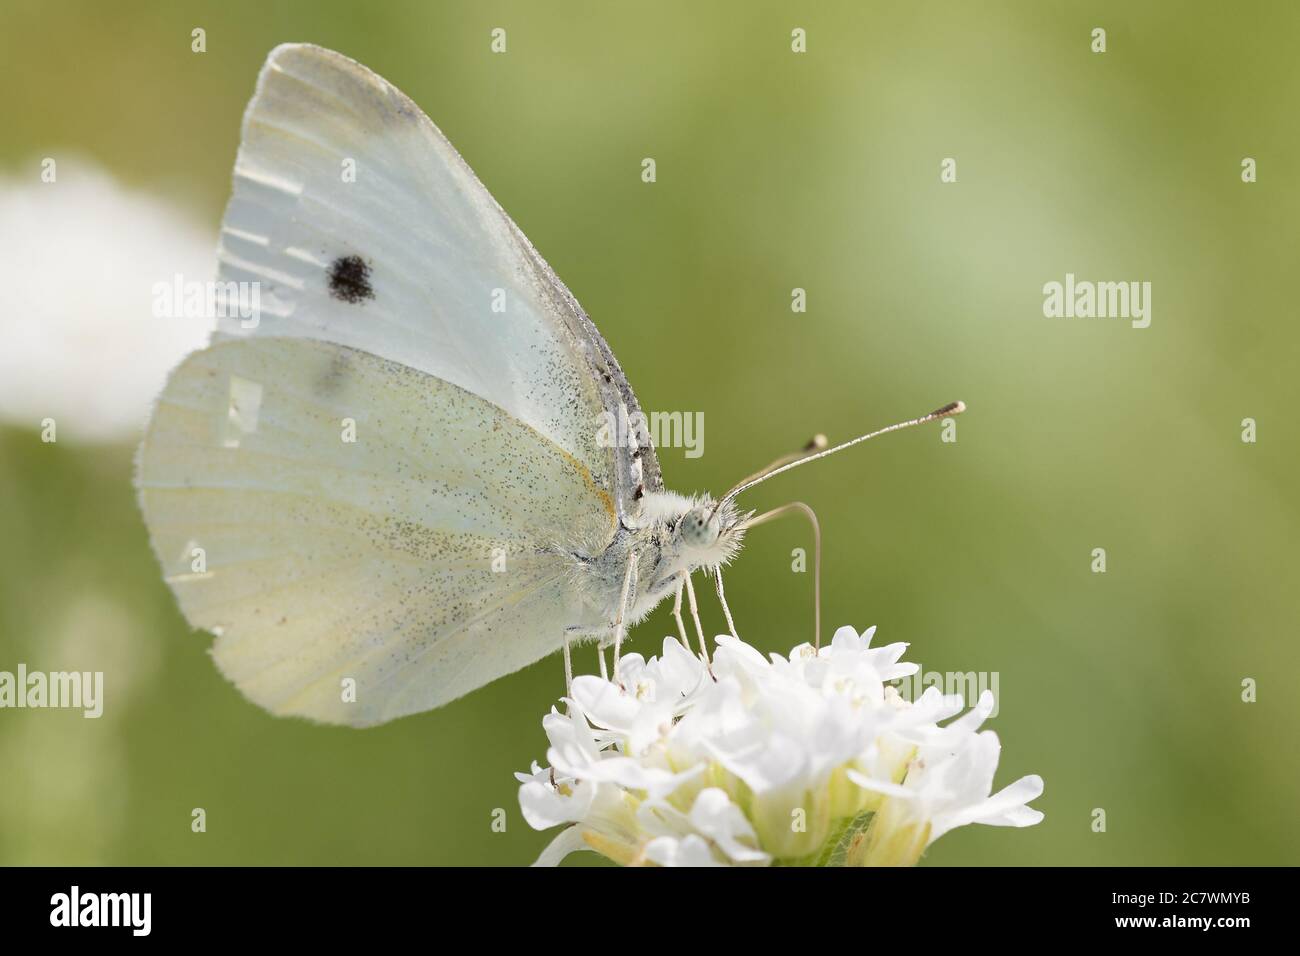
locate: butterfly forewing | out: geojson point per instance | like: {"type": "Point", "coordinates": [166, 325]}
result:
{"type": "Point", "coordinates": [365, 227]}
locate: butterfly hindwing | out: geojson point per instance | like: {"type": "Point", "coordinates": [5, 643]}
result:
{"type": "Point", "coordinates": [330, 514]}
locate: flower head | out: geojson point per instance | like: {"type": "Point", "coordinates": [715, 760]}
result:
{"type": "Point", "coordinates": [752, 761]}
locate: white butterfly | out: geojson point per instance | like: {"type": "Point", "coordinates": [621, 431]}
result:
{"type": "Point", "coordinates": [386, 481]}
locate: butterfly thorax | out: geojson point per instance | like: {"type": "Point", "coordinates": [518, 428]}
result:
{"type": "Point", "coordinates": [672, 536]}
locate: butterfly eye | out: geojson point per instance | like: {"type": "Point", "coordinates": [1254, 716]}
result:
{"type": "Point", "coordinates": [695, 529]}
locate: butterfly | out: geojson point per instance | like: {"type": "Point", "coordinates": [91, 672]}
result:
{"type": "Point", "coordinates": [391, 489]}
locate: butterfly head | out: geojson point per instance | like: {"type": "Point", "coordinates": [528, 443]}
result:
{"type": "Point", "coordinates": [709, 535]}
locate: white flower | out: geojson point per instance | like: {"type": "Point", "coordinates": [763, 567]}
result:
{"type": "Point", "coordinates": [813, 758]}
{"type": "Point", "coordinates": [948, 785]}
{"type": "Point", "coordinates": [79, 260]}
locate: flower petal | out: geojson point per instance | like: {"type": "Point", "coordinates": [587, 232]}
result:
{"type": "Point", "coordinates": [568, 840]}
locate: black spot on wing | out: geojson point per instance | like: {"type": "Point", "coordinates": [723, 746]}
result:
{"type": "Point", "coordinates": [350, 280]}
{"type": "Point", "coordinates": [331, 380]}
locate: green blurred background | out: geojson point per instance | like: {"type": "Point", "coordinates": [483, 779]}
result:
{"type": "Point", "coordinates": [775, 171]}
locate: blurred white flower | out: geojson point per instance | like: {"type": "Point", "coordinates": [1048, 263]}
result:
{"type": "Point", "coordinates": [79, 340]}
{"type": "Point", "coordinates": [813, 759]}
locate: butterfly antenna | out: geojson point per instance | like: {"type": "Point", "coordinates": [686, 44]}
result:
{"type": "Point", "coordinates": [816, 443]}
{"type": "Point", "coordinates": [781, 466]}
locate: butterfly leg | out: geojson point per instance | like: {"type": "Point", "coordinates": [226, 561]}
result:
{"type": "Point", "coordinates": [580, 631]}
{"type": "Point", "coordinates": [722, 599]}
{"type": "Point", "coordinates": [568, 666]}
{"type": "Point", "coordinates": [677, 613]}
{"type": "Point", "coordinates": [622, 610]}
{"type": "Point", "coordinates": [695, 615]}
